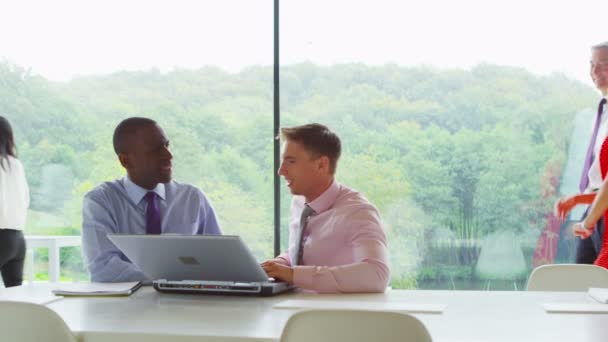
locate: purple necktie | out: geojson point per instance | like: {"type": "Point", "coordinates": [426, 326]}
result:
{"type": "Point", "coordinates": [152, 214]}
{"type": "Point", "coordinates": [589, 157]}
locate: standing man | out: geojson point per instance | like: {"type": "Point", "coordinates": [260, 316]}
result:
{"type": "Point", "coordinates": [336, 239]}
{"type": "Point", "coordinates": [146, 201]}
{"type": "Point", "coordinates": [591, 179]}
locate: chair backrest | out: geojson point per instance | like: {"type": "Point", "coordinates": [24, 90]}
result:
{"type": "Point", "coordinates": [353, 326]}
{"type": "Point", "coordinates": [27, 322]}
{"type": "Point", "coordinates": [567, 277]}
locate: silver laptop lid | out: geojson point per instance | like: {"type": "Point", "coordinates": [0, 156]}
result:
{"type": "Point", "coordinates": [191, 257]}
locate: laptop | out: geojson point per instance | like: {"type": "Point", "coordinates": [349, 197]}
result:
{"type": "Point", "coordinates": [210, 264]}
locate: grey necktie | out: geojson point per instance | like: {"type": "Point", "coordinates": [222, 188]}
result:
{"type": "Point", "coordinates": [298, 252]}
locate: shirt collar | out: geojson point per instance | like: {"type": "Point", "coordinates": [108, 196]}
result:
{"type": "Point", "coordinates": [327, 198]}
{"type": "Point", "coordinates": [136, 193]}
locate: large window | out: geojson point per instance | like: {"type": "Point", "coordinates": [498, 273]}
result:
{"type": "Point", "coordinates": [462, 121]}
{"type": "Point", "coordinates": [457, 120]}
{"type": "Point", "coordinates": [72, 71]}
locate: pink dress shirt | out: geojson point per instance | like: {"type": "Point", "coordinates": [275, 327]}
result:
{"type": "Point", "coordinates": [345, 247]}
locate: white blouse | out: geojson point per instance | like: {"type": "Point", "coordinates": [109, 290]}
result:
{"type": "Point", "coordinates": [14, 194]}
{"type": "Point", "coordinates": [595, 174]}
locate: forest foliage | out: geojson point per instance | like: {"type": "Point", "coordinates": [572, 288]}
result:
{"type": "Point", "coordinates": [454, 153]}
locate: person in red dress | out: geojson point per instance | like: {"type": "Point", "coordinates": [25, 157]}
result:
{"type": "Point", "coordinates": [599, 208]}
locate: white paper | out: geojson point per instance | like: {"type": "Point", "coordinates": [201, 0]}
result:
{"type": "Point", "coordinates": [97, 289]}
{"type": "Point", "coordinates": [358, 305]}
{"type": "Point", "coordinates": [599, 294]}
{"type": "Point", "coordinates": [575, 308]}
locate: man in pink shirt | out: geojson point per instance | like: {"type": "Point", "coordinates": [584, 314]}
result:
{"type": "Point", "coordinates": [336, 240]}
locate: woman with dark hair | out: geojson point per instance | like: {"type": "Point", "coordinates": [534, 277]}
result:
{"type": "Point", "coordinates": [14, 201]}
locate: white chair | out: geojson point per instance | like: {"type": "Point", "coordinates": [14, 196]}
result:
{"type": "Point", "coordinates": [567, 277]}
{"type": "Point", "coordinates": [353, 326]}
{"type": "Point", "coordinates": [27, 322]}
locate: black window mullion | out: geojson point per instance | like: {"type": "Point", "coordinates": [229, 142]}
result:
{"type": "Point", "coordinates": [277, 124]}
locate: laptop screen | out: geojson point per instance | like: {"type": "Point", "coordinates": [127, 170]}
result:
{"type": "Point", "coordinates": [191, 257]}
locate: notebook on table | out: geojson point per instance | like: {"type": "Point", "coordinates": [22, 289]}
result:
{"type": "Point", "coordinates": [97, 289]}
{"type": "Point", "coordinates": [210, 264]}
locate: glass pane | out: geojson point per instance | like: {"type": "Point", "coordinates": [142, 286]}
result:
{"type": "Point", "coordinates": [461, 121]}
{"type": "Point", "coordinates": [71, 71]}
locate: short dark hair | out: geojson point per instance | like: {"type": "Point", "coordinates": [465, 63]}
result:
{"type": "Point", "coordinates": [7, 142]}
{"type": "Point", "coordinates": [126, 128]}
{"type": "Point", "coordinates": [316, 139]}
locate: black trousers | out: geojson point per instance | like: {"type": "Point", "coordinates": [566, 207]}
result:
{"type": "Point", "coordinates": [12, 256]}
{"type": "Point", "coordinates": [587, 250]}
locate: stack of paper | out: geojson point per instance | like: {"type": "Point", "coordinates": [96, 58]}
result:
{"type": "Point", "coordinates": [599, 294]}
{"type": "Point", "coordinates": [97, 289]}
{"type": "Point", "coordinates": [575, 308]}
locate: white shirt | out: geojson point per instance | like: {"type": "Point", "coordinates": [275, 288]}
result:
{"type": "Point", "coordinates": [14, 195]}
{"type": "Point", "coordinates": [595, 175]}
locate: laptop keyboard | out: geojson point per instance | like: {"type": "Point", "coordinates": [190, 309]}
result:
{"type": "Point", "coordinates": [195, 285]}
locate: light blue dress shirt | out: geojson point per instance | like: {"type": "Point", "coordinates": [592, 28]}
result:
{"type": "Point", "coordinates": [119, 207]}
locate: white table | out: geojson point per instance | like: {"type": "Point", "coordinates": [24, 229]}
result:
{"type": "Point", "coordinates": [31, 293]}
{"type": "Point", "coordinates": [471, 316]}
{"type": "Point", "coordinates": [53, 243]}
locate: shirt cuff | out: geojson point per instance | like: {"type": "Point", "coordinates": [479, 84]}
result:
{"type": "Point", "coordinates": [303, 275]}
{"type": "Point", "coordinates": [283, 259]}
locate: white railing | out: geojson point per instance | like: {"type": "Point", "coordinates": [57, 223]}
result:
{"type": "Point", "coordinates": [52, 243]}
